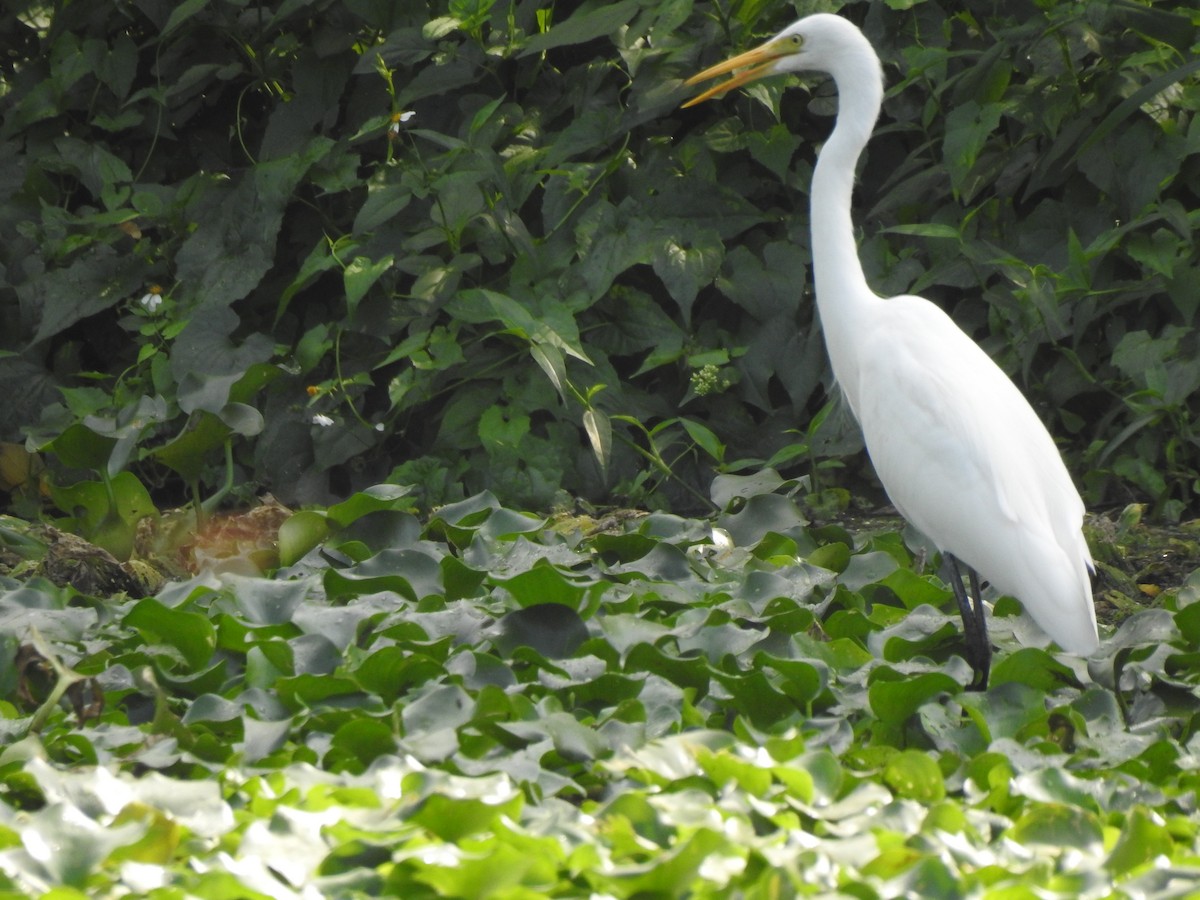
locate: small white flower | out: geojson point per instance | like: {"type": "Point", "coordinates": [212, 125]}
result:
{"type": "Point", "coordinates": [399, 119]}
{"type": "Point", "coordinates": [151, 301]}
{"type": "Point", "coordinates": [379, 427]}
{"type": "Point", "coordinates": [323, 420]}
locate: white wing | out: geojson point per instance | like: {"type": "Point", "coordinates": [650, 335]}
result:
{"type": "Point", "coordinates": [966, 460]}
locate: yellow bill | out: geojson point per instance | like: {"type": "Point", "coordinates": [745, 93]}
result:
{"type": "Point", "coordinates": [754, 65]}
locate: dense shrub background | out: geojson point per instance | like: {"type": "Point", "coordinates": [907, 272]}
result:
{"type": "Point", "coordinates": [525, 284]}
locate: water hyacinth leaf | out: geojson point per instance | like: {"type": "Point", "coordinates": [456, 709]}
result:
{"type": "Point", "coordinates": [694, 673]}
{"type": "Point", "coordinates": [1053, 785]}
{"type": "Point", "coordinates": [1187, 620]}
{"type": "Point", "coordinates": [340, 625]}
{"type": "Point", "coordinates": [262, 738]}
{"type": "Point", "coordinates": [826, 771]}
{"type": "Point", "coordinates": [1058, 825]}
{"type": "Point", "coordinates": [727, 769]}
{"type": "Point", "coordinates": [802, 681]}
{"type": "Point", "coordinates": [458, 521]}
{"type": "Point", "coordinates": [82, 448]}
{"type": "Point", "coordinates": [543, 583]}
{"type": "Point", "coordinates": [480, 671]}
{"type": "Point", "coordinates": [190, 451]}
{"type": "Point", "coordinates": [191, 633]}
{"type": "Point", "coordinates": [664, 563]}
{"type": "Point", "coordinates": [411, 573]}
{"type": "Point", "coordinates": [474, 808]}
{"type": "Point", "coordinates": [1005, 710]}
{"type": "Point", "coordinates": [924, 632]}
{"type": "Point", "coordinates": [438, 708]}
{"type": "Point", "coordinates": [757, 699]}
{"type": "Point", "coordinates": [212, 708]}
{"type": "Point", "coordinates": [391, 671]}
{"type": "Point", "coordinates": [912, 589]}
{"type": "Point", "coordinates": [379, 530]}
{"type": "Point", "coordinates": [1144, 837]}
{"type": "Point", "coordinates": [571, 739]}
{"type": "Point", "coordinates": [552, 629]}
{"type": "Point", "coordinates": [727, 487]}
{"type": "Point", "coordinates": [314, 654]}
{"type": "Point", "coordinates": [264, 668]}
{"type": "Point", "coordinates": [307, 691]}
{"type": "Point", "coordinates": [373, 499]}
{"type": "Point", "coordinates": [716, 636]}
{"type": "Point", "coordinates": [873, 567]}
{"type": "Point", "coordinates": [505, 524]}
{"type": "Point", "coordinates": [68, 846]}
{"type": "Point", "coordinates": [763, 514]}
{"type": "Point", "coordinates": [915, 775]}
{"type": "Point", "coordinates": [609, 689]}
{"type": "Point", "coordinates": [365, 739]}
{"type": "Point", "coordinates": [894, 698]}
{"type": "Point", "coordinates": [677, 868]}
{"type": "Point", "coordinates": [108, 525]}
{"type": "Point", "coordinates": [1033, 667]}
{"type": "Point", "coordinates": [242, 418]}
{"type": "Point", "coordinates": [259, 601]}
{"type": "Point", "coordinates": [300, 533]}
{"type": "Point", "coordinates": [624, 548]}
{"type": "Point", "coordinates": [835, 557]}
{"type": "Point", "coordinates": [460, 580]}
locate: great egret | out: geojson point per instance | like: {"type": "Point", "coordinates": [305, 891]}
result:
{"type": "Point", "coordinates": [958, 449]}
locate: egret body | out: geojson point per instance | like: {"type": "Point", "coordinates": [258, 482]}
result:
{"type": "Point", "coordinates": [959, 450]}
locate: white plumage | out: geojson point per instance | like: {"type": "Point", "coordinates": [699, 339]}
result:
{"type": "Point", "coordinates": [959, 450]}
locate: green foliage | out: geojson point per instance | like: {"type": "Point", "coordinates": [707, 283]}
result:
{"type": "Point", "coordinates": [301, 245]}
{"type": "Point", "coordinates": [492, 704]}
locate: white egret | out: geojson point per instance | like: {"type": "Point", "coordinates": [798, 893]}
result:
{"type": "Point", "coordinates": [959, 450]}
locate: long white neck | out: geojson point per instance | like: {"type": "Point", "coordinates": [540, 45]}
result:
{"type": "Point", "coordinates": [843, 297]}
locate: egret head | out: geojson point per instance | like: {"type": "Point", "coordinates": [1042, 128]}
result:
{"type": "Point", "coordinates": [817, 43]}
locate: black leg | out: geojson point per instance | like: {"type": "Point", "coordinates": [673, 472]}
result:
{"type": "Point", "coordinates": [979, 650]}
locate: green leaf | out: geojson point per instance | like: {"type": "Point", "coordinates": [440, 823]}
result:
{"type": "Point", "coordinates": [552, 629]}
{"type": "Point", "coordinates": [1033, 667]}
{"type": "Point", "coordinates": [79, 447]}
{"type": "Point", "coordinates": [551, 361]}
{"type": "Point", "coordinates": [181, 13]}
{"type": "Point", "coordinates": [191, 633]}
{"type": "Point", "coordinates": [894, 701]}
{"type": "Point", "coordinates": [360, 275]}
{"type": "Point", "coordinates": [1056, 825]}
{"type": "Point", "coordinates": [705, 439]}
{"type": "Point", "coordinates": [1144, 837]}
{"type": "Point", "coordinates": [585, 25]}
{"type": "Point", "coordinates": [915, 775]}
{"type": "Point", "coordinates": [599, 432]}
{"type": "Point", "coordinates": [193, 449]}
{"type": "Point", "coordinates": [365, 738]}
{"type": "Point", "coordinates": [411, 573]}
{"type": "Point", "coordinates": [968, 128]}
{"type": "Point", "coordinates": [318, 261]}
